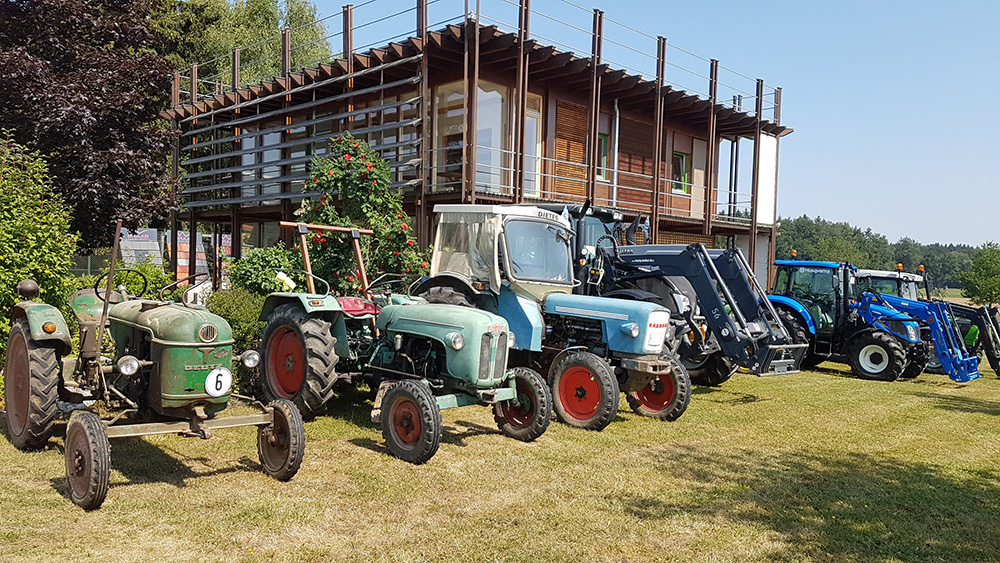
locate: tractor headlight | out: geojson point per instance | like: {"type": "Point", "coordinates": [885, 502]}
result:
{"type": "Point", "coordinates": [456, 340]}
{"type": "Point", "coordinates": [911, 331]}
{"type": "Point", "coordinates": [128, 365]}
{"type": "Point", "coordinates": [250, 358]}
{"type": "Point", "coordinates": [631, 329]}
{"type": "Point", "coordinates": [510, 340]}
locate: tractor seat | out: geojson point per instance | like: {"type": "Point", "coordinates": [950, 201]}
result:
{"type": "Point", "coordinates": [356, 307]}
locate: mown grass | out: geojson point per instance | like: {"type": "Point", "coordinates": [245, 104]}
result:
{"type": "Point", "coordinates": [817, 466]}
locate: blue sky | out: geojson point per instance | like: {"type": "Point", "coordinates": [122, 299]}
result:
{"type": "Point", "coordinates": [892, 102]}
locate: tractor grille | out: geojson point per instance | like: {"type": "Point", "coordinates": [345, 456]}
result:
{"type": "Point", "coordinates": [208, 332]}
{"type": "Point", "coordinates": [484, 357]}
{"type": "Point", "coordinates": [500, 365]}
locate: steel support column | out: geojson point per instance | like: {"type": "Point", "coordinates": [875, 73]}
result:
{"type": "Point", "coordinates": [661, 59]}
{"type": "Point", "coordinates": [711, 178]}
{"type": "Point", "coordinates": [593, 119]}
{"type": "Point", "coordinates": [521, 123]}
{"type": "Point", "coordinates": [755, 182]}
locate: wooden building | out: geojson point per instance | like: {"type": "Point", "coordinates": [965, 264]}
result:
{"type": "Point", "coordinates": [443, 106]}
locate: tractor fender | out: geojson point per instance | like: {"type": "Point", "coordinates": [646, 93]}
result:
{"type": "Point", "coordinates": [455, 281]}
{"type": "Point", "coordinates": [323, 306]}
{"type": "Point", "coordinates": [795, 307]}
{"type": "Point", "coordinates": [38, 315]}
{"type": "Point", "coordinates": [524, 317]}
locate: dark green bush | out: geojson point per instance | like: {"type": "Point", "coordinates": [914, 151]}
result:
{"type": "Point", "coordinates": [255, 272]}
{"type": "Point", "coordinates": [241, 309]}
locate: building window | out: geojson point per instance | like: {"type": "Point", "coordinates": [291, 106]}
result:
{"type": "Point", "coordinates": [449, 125]}
{"type": "Point", "coordinates": [492, 152]}
{"type": "Point", "coordinates": [533, 145]}
{"type": "Point", "coordinates": [604, 170]}
{"type": "Point", "coordinates": [680, 168]}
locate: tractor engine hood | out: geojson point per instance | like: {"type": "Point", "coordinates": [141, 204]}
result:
{"type": "Point", "coordinates": [173, 322]}
{"type": "Point", "coordinates": [630, 327]}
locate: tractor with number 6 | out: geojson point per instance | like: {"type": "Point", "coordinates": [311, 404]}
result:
{"type": "Point", "coordinates": [418, 357]}
{"type": "Point", "coordinates": [171, 373]}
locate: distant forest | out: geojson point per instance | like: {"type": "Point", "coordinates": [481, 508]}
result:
{"type": "Point", "coordinates": [819, 239]}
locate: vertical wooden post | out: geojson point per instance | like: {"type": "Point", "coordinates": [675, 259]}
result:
{"type": "Point", "coordinates": [471, 106]}
{"type": "Point", "coordinates": [422, 215]}
{"type": "Point", "coordinates": [777, 106]}
{"type": "Point", "coordinates": [755, 182]}
{"type": "Point", "coordinates": [521, 85]}
{"type": "Point", "coordinates": [194, 84]}
{"type": "Point", "coordinates": [286, 53]}
{"type": "Point", "coordinates": [711, 178]}
{"type": "Point", "coordinates": [661, 59]}
{"type": "Point", "coordinates": [175, 90]}
{"type": "Point", "coordinates": [236, 69]}
{"type": "Point", "coordinates": [348, 22]}
{"type": "Point", "coordinates": [593, 120]}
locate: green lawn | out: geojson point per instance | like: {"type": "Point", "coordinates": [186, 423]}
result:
{"type": "Point", "coordinates": [816, 466]}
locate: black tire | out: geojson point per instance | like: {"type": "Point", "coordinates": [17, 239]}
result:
{"type": "Point", "coordinates": [411, 421]}
{"type": "Point", "coordinates": [281, 446]}
{"type": "Point", "coordinates": [88, 460]}
{"type": "Point", "coordinates": [298, 360]}
{"type": "Point", "coordinates": [877, 356]}
{"type": "Point", "coordinates": [666, 397]}
{"type": "Point", "coordinates": [585, 392]}
{"type": "Point", "coordinates": [917, 358]}
{"type": "Point", "coordinates": [31, 377]}
{"type": "Point", "coordinates": [800, 335]}
{"type": "Point", "coordinates": [447, 296]}
{"type": "Point", "coordinates": [934, 364]}
{"type": "Point", "coordinates": [530, 416]}
{"type": "Point", "coordinates": [711, 370]}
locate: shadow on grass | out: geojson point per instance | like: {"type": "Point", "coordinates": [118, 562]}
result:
{"type": "Point", "coordinates": [838, 506]}
{"type": "Point", "coordinates": [725, 396]}
{"type": "Point", "coordinates": [962, 404]}
{"type": "Point", "coordinates": [353, 405]}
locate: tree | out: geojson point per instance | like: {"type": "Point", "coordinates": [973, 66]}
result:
{"type": "Point", "coordinates": [818, 239]}
{"type": "Point", "coordinates": [80, 84]}
{"type": "Point", "coordinates": [982, 279]}
{"type": "Point", "coordinates": [35, 237]}
{"type": "Point", "coordinates": [360, 179]}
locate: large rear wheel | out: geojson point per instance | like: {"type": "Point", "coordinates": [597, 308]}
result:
{"type": "Point", "coordinates": [88, 460]}
{"type": "Point", "coordinates": [666, 397]}
{"type": "Point", "coordinates": [411, 422]}
{"type": "Point", "coordinates": [31, 388]}
{"type": "Point", "coordinates": [527, 417]}
{"type": "Point", "coordinates": [298, 360]}
{"type": "Point", "coordinates": [281, 445]}
{"type": "Point", "coordinates": [585, 391]}
{"type": "Point", "coordinates": [877, 356]}
{"type": "Point", "coordinates": [800, 335]}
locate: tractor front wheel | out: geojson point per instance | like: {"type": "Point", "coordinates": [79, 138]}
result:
{"type": "Point", "coordinates": [281, 445]}
{"type": "Point", "coordinates": [666, 397]}
{"type": "Point", "coordinates": [298, 360]}
{"type": "Point", "coordinates": [877, 356]}
{"type": "Point", "coordinates": [527, 417]}
{"type": "Point", "coordinates": [88, 460]}
{"type": "Point", "coordinates": [411, 421]}
{"type": "Point", "coordinates": [711, 370]}
{"type": "Point", "coordinates": [585, 391]}
{"type": "Point", "coordinates": [31, 377]}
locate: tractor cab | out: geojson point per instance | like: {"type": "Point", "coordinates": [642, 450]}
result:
{"type": "Point", "coordinates": [898, 283]}
{"type": "Point", "coordinates": [817, 286]}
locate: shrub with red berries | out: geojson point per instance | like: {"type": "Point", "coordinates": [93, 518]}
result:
{"type": "Point", "coordinates": [352, 188]}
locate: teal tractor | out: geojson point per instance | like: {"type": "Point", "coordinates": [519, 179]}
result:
{"type": "Point", "coordinates": [819, 304]}
{"type": "Point", "coordinates": [420, 358]}
{"type": "Point", "coordinates": [517, 262]}
{"type": "Point", "coordinates": [169, 371]}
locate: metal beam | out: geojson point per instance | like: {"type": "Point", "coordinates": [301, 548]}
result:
{"type": "Point", "coordinates": [661, 60]}
{"type": "Point", "coordinates": [710, 176]}
{"type": "Point", "coordinates": [523, 25]}
{"type": "Point", "coordinates": [755, 182]}
{"type": "Point", "coordinates": [593, 119]}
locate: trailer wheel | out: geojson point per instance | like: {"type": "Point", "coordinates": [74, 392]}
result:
{"type": "Point", "coordinates": [298, 360]}
{"type": "Point", "coordinates": [666, 397]}
{"type": "Point", "coordinates": [31, 388]}
{"type": "Point", "coordinates": [528, 417]}
{"type": "Point", "coordinates": [800, 335]}
{"type": "Point", "coordinates": [877, 356]}
{"type": "Point", "coordinates": [281, 445]}
{"type": "Point", "coordinates": [447, 296]}
{"type": "Point", "coordinates": [585, 391]}
{"type": "Point", "coordinates": [711, 370]}
{"type": "Point", "coordinates": [411, 421]}
{"type": "Point", "coordinates": [918, 360]}
{"type": "Point", "coordinates": [88, 460]}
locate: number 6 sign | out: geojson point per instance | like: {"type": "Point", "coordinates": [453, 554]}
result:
{"type": "Point", "coordinates": [218, 382]}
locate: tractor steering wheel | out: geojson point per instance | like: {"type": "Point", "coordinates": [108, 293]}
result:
{"type": "Point", "coordinates": [192, 277]}
{"type": "Point", "coordinates": [98, 289]}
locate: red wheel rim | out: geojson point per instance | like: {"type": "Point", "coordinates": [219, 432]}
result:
{"type": "Point", "coordinates": [18, 382]}
{"type": "Point", "coordinates": [658, 394]}
{"type": "Point", "coordinates": [579, 393]}
{"type": "Point", "coordinates": [286, 362]}
{"type": "Point", "coordinates": [406, 420]}
{"type": "Point", "coordinates": [520, 416]}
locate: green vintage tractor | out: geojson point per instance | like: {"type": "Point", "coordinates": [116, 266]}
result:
{"type": "Point", "coordinates": [421, 358]}
{"type": "Point", "coordinates": [170, 373]}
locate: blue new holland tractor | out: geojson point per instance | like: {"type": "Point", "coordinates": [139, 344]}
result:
{"type": "Point", "coordinates": [517, 261]}
{"type": "Point", "coordinates": [819, 303]}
